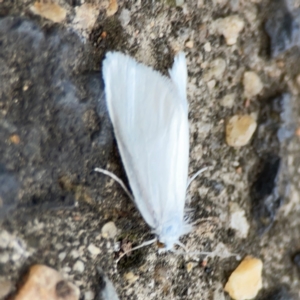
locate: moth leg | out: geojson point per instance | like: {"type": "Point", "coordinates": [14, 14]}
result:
{"type": "Point", "coordinates": [144, 244]}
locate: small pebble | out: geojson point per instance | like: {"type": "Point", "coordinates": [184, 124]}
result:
{"type": "Point", "coordinates": [238, 221]}
{"type": "Point", "coordinates": [230, 27]}
{"type": "Point", "coordinates": [239, 130]}
{"type": "Point", "coordinates": [130, 277]}
{"type": "Point", "coordinates": [207, 47]}
{"type": "Point", "coordinates": [45, 283]}
{"type": "Point", "coordinates": [124, 17]}
{"type": "Point", "coordinates": [16, 256]}
{"type": "Point", "coordinates": [15, 139]}
{"type": "Point", "coordinates": [5, 239]}
{"type": "Point", "coordinates": [211, 84]}
{"type": "Point", "coordinates": [179, 2]}
{"type": "Point", "coordinates": [189, 44]}
{"type": "Point", "coordinates": [228, 100]}
{"type": "Point", "coordinates": [190, 266]}
{"type": "Point", "coordinates": [50, 11]}
{"type": "Point", "coordinates": [74, 254]}
{"type": "Point", "coordinates": [94, 250]}
{"type": "Point", "coordinates": [239, 170]}
{"type": "Point", "coordinates": [86, 16]}
{"type": "Point", "coordinates": [78, 266]}
{"type": "Point", "coordinates": [62, 256]}
{"type": "Point", "coordinates": [246, 280]}
{"type": "Point", "coordinates": [112, 8]}
{"type": "Point", "coordinates": [109, 230]}
{"type": "Point", "coordinates": [59, 246]}
{"type": "Point", "coordinates": [252, 84]}
{"type": "Point", "coordinates": [89, 295]}
{"type": "Point", "coordinates": [200, 3]}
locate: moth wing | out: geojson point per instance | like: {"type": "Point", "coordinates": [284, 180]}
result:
{"type": "Point", "coordinates": [151, 128]}
{"type": "Point", "coordinates": [178, 74]}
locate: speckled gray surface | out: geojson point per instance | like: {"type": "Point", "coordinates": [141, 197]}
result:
{"type": "Point", "coordinates": [51, 97]}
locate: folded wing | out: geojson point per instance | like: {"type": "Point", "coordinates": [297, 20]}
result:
{"type": "Point", "coordinates": [149, 115]}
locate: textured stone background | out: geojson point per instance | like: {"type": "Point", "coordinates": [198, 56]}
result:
{"type": "Point", "coordinates": [54, 130]}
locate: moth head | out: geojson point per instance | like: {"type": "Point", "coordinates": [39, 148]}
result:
{"type": "Point", "coordinates": [170, 233]}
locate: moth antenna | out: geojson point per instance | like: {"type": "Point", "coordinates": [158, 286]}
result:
{"type": "Point", "coordinates": [195, 176]}
{"type": "Point", "coordinates": [194, 253]}
{"type": "Point", "coordinates": [187, 252]}
{"type": "Point", "coordinates": [115, 178]}
{"type": "Point", "coordinates": [144, 244]}
{"type": "Point", "coordinates": [206, 254]}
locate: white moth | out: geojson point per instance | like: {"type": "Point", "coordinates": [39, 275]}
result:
{"type": "Point", "coordinates": [149, 113]}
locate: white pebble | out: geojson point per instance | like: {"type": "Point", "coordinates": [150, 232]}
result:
{"type": "Point", "coordinates": [4, 258]}
{"type": "Point", "coordinates": [62, 256]}
{"type": "Point", "coordinates": [228, 100]}
{"type": "Point", "coordinates": [59, 246]}
{"type": "Point", "coordinates": [5, 239]}
{"type": "Point", "coordinates": [179, 2]}
{"type": "Point", "coordinates": [78, 266]}
{"type": "Point", "coordinates": [124, 17]}
{"type": "Point", "coordinates": [94, 250]}
{"type": "Point", "coordinates": [207, 47]}
{"type": "Point", "coordinates": [238, 221]}
{"type": "Point", "coordinates": [74, 254]}
{"type": "Point", "coordinates": [89, 295]}
{"type": "Point", "coordinates": [16, 256]}
{"type": "Point", "coordinates": [109, 230]}
{"type": "Point", "coordinates": [252, 84]}
{"type": "Point", "coordinates": [211, 84]}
